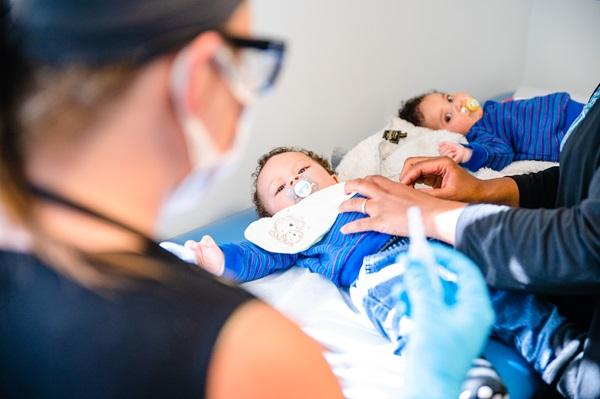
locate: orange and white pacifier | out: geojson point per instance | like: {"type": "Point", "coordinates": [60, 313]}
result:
{"type": "Point", "coordinates": [471, 105]}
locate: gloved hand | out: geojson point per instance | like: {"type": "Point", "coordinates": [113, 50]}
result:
{"type": "Point", "coordinates": [445, 337]}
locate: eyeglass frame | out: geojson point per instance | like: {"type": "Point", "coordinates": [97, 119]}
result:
{"type": "Point", "coordinates": [278, 47]}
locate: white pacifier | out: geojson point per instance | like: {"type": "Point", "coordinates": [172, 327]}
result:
{"type": "Point", "coordinates": [303, 188]}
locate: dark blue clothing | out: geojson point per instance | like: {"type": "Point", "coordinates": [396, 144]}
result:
{"type": "Point", "coordinates": [547, 340]}
{"type": "Point", "coordinates": [521, 130]}
{"type": "Point", "coordinates": [144, 339]}
{"type": "Point", "coordinates": [336, 256]}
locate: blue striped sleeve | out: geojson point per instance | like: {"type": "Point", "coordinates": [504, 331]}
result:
{"type": "Point", "coordinates": [478, 159]}
{"type": "Point", "coordinates": [245, 261]}
{"type": "Point", "coordinates": [488, 150]}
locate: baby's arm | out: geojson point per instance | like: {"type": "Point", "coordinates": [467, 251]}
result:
{"type": "Point", "coordinates": [488, 150]}
{"type": "Point", "coordinates": [242, 261]}
{"type": "Point", "coordinates": [455, 151]}
{"type": "Point", "coordinates": [208, 255]}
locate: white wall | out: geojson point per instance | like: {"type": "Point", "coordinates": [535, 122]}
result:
{"type": "Point", "coordinates": [351, 62]}
{"type": "Point", "coordinates": [563, 50]}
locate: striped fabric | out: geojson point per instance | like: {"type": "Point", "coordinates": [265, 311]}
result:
{"type": "Point", "coordinates": [338, 257]}
{"type": "Point", "coordinates": [518, 130]}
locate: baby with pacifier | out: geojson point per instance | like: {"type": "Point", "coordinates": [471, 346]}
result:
{"type": "Point", "coordinates": [498, 132]}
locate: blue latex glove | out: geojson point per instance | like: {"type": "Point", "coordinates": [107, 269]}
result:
{"type": "Point", "coordinates": [446, 337]}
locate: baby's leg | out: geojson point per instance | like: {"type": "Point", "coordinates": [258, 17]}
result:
{"type": "Point", "coordinates": [380, 296]}
{"type": "Point", "coordinates": [379, 293]}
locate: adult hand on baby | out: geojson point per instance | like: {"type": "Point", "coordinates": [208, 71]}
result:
{"type": "Point", "coordinates": [386, 206]}
{"type": "Point", "coordinates": [208, 255]}
{"type": "Point", "coordinates": [446, 178]}
{"type": "Point", "coordinates": [446, 337]}
{"type": "Point", "coordinates": [457, 152]}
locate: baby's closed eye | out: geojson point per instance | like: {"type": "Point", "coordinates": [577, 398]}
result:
{"type": "Point", "coordinates": [279, 189]}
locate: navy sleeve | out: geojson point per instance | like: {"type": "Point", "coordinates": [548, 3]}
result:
{"type": "Point", "coordinates": [538, 190]}
{"type": "Point", "coordinates": [246, 261]}
{"type": "Point", "coordinates": [555, 251]}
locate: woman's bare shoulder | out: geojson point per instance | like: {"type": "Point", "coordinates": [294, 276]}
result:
{"type": "Point", "coordinates": [262, 354]}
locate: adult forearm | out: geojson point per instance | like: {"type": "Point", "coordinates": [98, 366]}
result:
{"type": "Point", "coordinates": [441, 222]}
{"type": "Point", "coordinates": [547, 251]}
{"type": "Point", "coordinates": [537, 190]}
{"type": "Point", "coordinates": [442, 217]}
{"type": "Point", "coordinates": [502, 191]}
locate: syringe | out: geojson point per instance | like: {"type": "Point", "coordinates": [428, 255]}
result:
{"type": "Point", "coordinates": [419, 249]}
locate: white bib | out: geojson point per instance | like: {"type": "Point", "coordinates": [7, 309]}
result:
{"type": "Point", "coordinates": [297, 228]}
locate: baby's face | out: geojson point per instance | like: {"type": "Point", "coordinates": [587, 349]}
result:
{"type": "Point", "coordinates": [281, 172]}
{"type": "Point", "coordinates": [442, 111]}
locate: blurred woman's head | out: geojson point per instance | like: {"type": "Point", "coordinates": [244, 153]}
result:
{"type": "Point", "coordinates": [113, 111]}
{"type": "Point", "coordinates": [119, 82]}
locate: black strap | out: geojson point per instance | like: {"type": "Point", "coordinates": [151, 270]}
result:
{"type": "Point", "coordinates": [50, 196]}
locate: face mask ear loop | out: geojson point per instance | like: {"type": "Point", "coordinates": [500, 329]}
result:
{"type": "Point", "coordinates": [233, 75]}
{"type": "Point", "coordinates": [202, 151]}
{"type": "Point", "coordinates": [178, 81]}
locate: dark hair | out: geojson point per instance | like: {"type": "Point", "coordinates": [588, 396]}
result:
{"type": "Point", "coordinates": [262, 161]}
{"type": "Point", "coordinates": [409, 109]}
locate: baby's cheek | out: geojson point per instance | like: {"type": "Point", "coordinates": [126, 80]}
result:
{"type": "Point", "coordinates": [463, 125]}
{"type": "Point", "coordinates": [281, 202]}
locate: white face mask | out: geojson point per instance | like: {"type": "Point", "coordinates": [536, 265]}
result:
{"type": "Point", "coordinates": [209, 164]}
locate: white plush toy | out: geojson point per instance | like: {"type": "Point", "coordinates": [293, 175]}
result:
{"type": "Point", "coordinates": [377, 156]}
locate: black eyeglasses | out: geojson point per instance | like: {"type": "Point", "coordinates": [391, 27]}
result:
{"type": "Point", "coordinates": [258, 63]}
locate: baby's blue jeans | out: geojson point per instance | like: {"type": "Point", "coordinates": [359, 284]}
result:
{"type": "Point", "coordinates": [533, 327]}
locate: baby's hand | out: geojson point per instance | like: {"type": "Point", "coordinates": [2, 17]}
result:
{"type": "Point", "coordinates": [208, 255]}
{"type": "Point", "coordinates": [457, 152]}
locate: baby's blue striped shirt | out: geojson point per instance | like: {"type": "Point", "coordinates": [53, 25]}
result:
{"type": "Point", "coordinates": [521, 130]}
{"type": "Point", "coordinates": [336, 256]}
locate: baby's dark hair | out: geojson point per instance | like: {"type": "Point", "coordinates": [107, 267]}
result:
{"type": "Point", "coordinates": [409, 109]}
{"type": "Point", "coordinates": [262, 161]}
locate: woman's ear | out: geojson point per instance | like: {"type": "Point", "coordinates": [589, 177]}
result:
{"type": "Point", "coordinates": [192, 71]}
